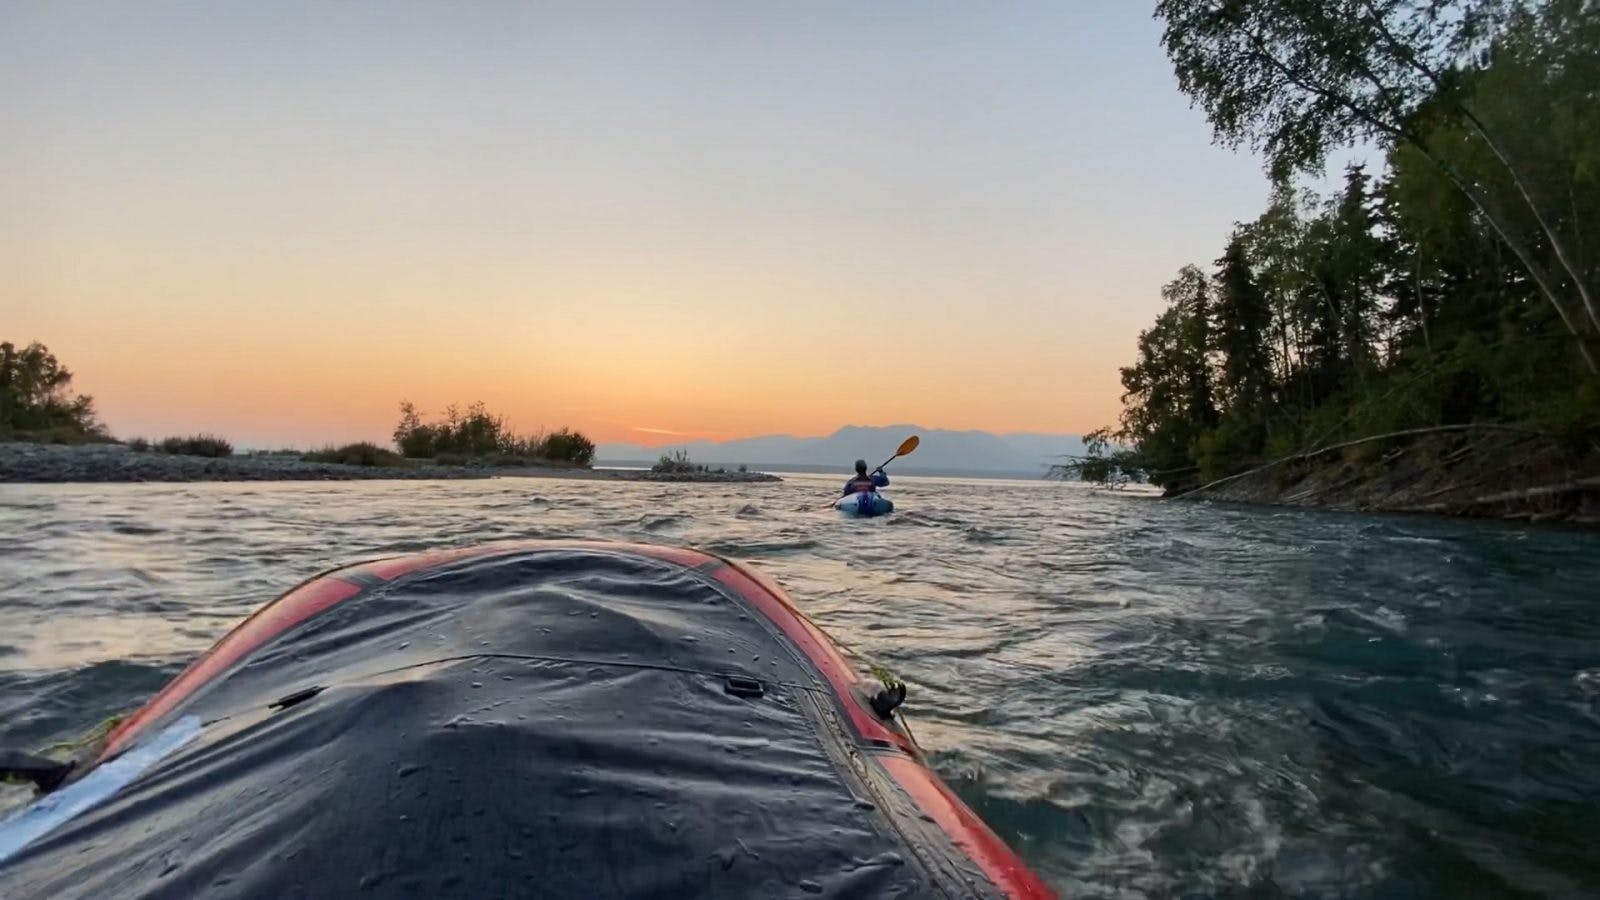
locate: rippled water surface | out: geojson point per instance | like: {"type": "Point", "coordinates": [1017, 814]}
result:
{"type": "Point", "coordinates": [1145, 699]}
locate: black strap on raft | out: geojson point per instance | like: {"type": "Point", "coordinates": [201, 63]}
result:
{"type": "Point", "coordinates": [885, 701]}
{"type": "Point", "coordinates": [45, 773]}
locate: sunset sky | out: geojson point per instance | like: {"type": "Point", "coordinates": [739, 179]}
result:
{"type": "Point", "coordinates": [275, 221]}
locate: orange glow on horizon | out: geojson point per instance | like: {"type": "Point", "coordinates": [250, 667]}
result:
{"type": "Point", "coordinates": [269, 393]}
{"type": "Point", "coordinates": [309, 353]}
{"type": "Point", "coordinates": [650, 226]}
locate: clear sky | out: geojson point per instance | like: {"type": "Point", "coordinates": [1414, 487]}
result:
{"type": "Point", "coordinates": [276, 220]}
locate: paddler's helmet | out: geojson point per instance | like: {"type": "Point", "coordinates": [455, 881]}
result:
{"type": "Point", "coordinates": [861, 467]}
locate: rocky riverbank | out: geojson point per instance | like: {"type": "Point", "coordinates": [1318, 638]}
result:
{"type": "Point", "coordinates": [50, 463]}
{"type": "Point", "coordinates": [1494, 475]}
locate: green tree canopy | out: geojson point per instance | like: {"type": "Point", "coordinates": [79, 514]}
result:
{"type": "Point", "coordinates": [1495, 94]}
{"type": "Point", "coordinates": [1450, 287]}
{"type": "Point", "coordinates": [36, 398]}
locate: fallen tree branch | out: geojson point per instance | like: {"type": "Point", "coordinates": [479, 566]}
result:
{"type": "Point", "coordinates": [1545, 490]}
{"type": "Point", "coordinates": [1409, 432]}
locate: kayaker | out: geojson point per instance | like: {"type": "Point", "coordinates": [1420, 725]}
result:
{"type": "Point", "coordinates": [864, 482]}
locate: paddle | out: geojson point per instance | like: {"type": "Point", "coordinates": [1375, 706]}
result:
{"type": "Point", "coordinates": [906, 447]}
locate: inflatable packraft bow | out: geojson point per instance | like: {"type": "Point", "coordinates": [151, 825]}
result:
{"type": "Point", "coordinates": [864, 503]}
{"type": "Point", "coordinates": [552, 720]}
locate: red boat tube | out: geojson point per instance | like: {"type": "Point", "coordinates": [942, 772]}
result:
{"type": "Point", "coordinates": [533, 719]}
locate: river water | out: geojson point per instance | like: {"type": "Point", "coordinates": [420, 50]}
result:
{"type": "Point", "coordinates": [1144, 698]}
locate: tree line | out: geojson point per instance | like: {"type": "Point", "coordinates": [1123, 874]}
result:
{"type": "Point", "coordinates": [1456, 286]}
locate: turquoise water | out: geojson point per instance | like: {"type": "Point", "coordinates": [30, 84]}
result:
{"type": "Point", "coordinates": [1144, 698]}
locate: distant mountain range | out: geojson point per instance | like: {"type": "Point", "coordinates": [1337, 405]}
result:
{"type": "Point", "coordinates": [940, 453]}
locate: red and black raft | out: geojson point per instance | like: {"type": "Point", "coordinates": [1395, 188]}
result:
{"type": "Point", "coordinates": [537, 719]}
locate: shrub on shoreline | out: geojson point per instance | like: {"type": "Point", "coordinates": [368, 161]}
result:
{"type": "Point", "coordinates": [677, 462]}
{"type": "Point", "coordinates": [208, 445]}
{"type": "Point", "coordinates": [484, 436]}
{"type": "Point", "coordinates": [567, 446]}
{"type": "Point", "coordinates": [674, 463]}
{"type": "Point", "coordinates": [362, 453]}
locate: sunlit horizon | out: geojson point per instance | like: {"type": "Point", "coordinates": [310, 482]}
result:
{"type": "Point", "coordinates": [653, 225]}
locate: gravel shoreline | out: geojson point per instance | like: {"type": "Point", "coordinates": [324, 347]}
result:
{"type": "Point", "coordinates": [106, 463]}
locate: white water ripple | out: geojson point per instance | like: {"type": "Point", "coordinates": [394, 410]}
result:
{"type": "Point", "coordinates": [1145, 698]}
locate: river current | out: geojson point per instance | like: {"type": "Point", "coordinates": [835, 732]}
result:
{"type": "Point", "coordinates": [1144, 698]}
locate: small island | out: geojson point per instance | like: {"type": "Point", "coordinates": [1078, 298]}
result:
{"type": "Point", "coordinates": [48, 434]}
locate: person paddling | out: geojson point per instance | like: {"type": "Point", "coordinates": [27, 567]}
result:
{"type": "Point", "coordinates": [864, 482]}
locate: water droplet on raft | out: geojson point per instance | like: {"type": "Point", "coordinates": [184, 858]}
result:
{"type": "Point", "coordinates": [403, 645]}
{"type": "Point", "coordinates": [405, 770]}
{"type": "Point", "coordinates": [477, 684]}
{"type": "Point", "coordinates": [505, 677]}
{"type": "Point", "coordinates": [810, 887]}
